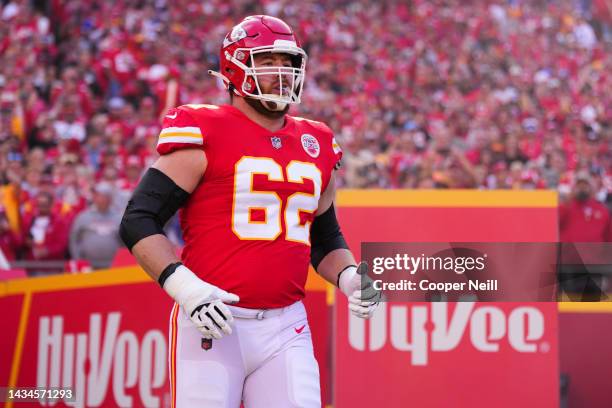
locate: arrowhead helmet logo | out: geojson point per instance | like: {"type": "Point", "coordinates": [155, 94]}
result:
{"type": "Point", "coordinates": [237, 34]}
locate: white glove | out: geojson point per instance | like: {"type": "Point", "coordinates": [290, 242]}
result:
{"type": "Point", "coordinates": [355, 283]}
{"type": "Point", "coordinates": [203, 302]}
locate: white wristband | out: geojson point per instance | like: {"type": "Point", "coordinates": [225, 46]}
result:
{"type": "Point", "coordinates": [346, 277]}
{"type": "Point", "coordinates": [182, 284]}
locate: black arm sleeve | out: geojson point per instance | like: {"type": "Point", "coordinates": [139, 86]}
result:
{"type": "Point", "coordinates": [154, 202]}
{"type": "Point", "coordinates": [325, 236]}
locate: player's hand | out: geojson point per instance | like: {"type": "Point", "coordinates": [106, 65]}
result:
{"type": "Point", "coordinates": [358, 287]}
{"type": "Point", "coordinates": [211, 316]}
{"type": "Point", "coordinates": [203, 302]}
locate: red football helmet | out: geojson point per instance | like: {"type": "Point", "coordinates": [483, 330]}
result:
{"type": "Point", "coordinates": [255, 35]}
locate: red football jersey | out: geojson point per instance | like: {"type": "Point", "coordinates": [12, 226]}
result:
{"type": "Point", "coordinates": [247, 224]}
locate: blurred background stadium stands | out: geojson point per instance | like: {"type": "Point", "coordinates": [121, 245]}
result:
{"type": "Point", "coordinates": [421, 94]}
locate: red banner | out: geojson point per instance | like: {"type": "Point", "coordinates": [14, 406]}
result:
{"type": "Point", "coordinates": [11, 311]}
{"type": "Point", "coordinates": [107, 343]}
{"type": "Point", "coordinates": [442, 354]}
{"type": "Point", "coordinates": [585, 330]}
{"type": "Point", "coordinates": [448, 354]}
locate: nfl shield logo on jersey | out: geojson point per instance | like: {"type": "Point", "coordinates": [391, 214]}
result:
{"type": "Point", "coordinates": [276, 142]}
{"type": "Point", "coordinates": [310, 145]}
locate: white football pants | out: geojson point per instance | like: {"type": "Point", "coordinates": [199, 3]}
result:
{"type": "Point", "coordinates": [267, 361]}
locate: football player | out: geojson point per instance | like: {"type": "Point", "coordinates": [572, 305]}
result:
{"type": "Point", "coordinates": [255, 189]}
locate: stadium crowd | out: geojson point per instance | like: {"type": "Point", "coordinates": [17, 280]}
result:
{"type": "Point", "coordinates": [421, 94]}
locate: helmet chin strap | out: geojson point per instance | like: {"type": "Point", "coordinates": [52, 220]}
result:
{"type": "Point", "coordinates": [267, 108]}
{"type": "Point", "coordinates": [274, 106]}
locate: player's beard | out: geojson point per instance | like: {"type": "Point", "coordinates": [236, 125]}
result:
{"type": "Point", "coordinates": [260, 108]}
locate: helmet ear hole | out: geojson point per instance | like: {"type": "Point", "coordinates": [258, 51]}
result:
{"type": "Point", "coordinates": [296, 61]}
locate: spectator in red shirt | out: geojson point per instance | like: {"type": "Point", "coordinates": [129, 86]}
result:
{"type": "Point", "coordinates": [584, 219]}
{"type": "Point", "coordinates": [45, 233]}
{"type": "Point", "coordinates": [73, 86]}
{"type": "Point", "coordinates": [132, 173]}
{"type": "Point", "coordinates": [9, 240]}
